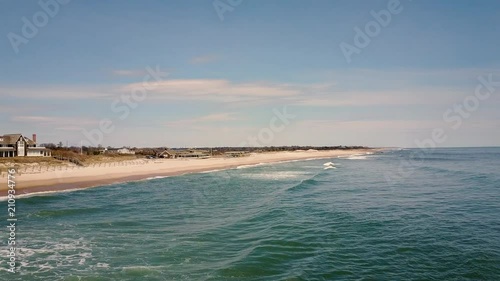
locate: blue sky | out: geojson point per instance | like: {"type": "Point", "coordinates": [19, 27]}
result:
{"type": "Point", "coordinates": [227, 78]}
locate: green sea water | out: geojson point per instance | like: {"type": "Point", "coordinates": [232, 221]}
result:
{"type": "Point", "coordinates": [372, 217]}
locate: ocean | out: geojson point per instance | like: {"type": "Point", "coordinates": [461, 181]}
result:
{"type": "Point", "coordinates": [367, 217]}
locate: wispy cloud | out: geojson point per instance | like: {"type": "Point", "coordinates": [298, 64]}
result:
{"type": "Point", "coordinates": [355, 88]}
{"type": "Point", "coordinates": [57, 122]}
{"type": "Point", "coordinates": [19, 108]}
{"type": "Point", "coordinates": [368, 125]}
{"type": "Point", "coordinates": [69, 128]}
{"type": "Point", "coordinates": [38, 119]}
{"type": "Point", "coordinates": [204, 59]}
{"type": "Point", "coordinates": [421, 96]}
{"type": "Point", "coordinates": [58, 92]}
{"type": "Point", "coordinates": [181, 89]}
{"type": "Point", "coordinates": [216, 90]}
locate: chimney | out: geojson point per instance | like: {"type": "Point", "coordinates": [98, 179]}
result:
{"type": "Point", "coordinates": [34, 138]}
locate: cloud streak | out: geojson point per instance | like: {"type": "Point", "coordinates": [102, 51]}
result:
{"type": "Point", "coordinates": [58, 122]}
{"type": "Point", "coordinates": [216, 90]}
{"type": "Point", "coordinates": [58, 92]}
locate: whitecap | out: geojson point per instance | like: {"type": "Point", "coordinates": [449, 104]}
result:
{"type": "Point", "coordinates": [212, 171]}
{"type": "Point", "coordinates": [249, 166]}
{"type": "Point", "coordinates": [357, 157]}
{"type": "Point", "coordinates": [276, 175]}
{"type": "Point", "coordinates": [102, 265]}
{"type": "Point", "coordinates": [156, 177]}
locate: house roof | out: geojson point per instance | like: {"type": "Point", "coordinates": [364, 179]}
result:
{"type": "Point", "coordinates": [169, 152]}
{"type": "Point", "coordinates": [192, 153]}
{"type": "Point", "coordinates": [13, 138]}
{"type": "Point", "coordinates": [9, 139]}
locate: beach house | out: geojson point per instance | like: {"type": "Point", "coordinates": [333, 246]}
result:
{"type": "Point", "coordinates": [236, 153]}
{"type": "Point", "coordinates": [16, 145]}
{"type": "Point", "coordinates": [193, 153]}
{"type": "Point", "coordinates": [188, 153]}
{"type": "Point", "coordinates": [167, 153]}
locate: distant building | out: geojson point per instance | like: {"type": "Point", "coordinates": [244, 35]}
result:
{"type": "Point", "coordinates": [125, 150]}
{"type": "Point", "coordinates": [189, 153]}
{"type": "Point", "coordinates": [235, 153]}
{"type": "Point", "coordinates": [122, 150]}
{"type": "Point", "coordinates": [16, 145]}
{"type": "Point", "coordinates": [193, 153]}
{"type": "Point", "coordinates": [167, 154]}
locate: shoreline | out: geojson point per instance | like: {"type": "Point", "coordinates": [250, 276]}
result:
{"type": "Point", "coordinates": [91, 177]}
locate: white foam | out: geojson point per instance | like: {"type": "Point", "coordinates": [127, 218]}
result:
{"type": "Point", "coordinates": [212, 171]}
{"type": "Point", "coordinates": [102, 265]}
{"type": "Point", "coordinates": [329, 167]}
{"type": "Point", "coordinates": [249, 166]}
{"type": "Point", "coordinates": [156, 177]}
{"type": "Point", "coordinates": [356, 157]}
{"type": "Point", "coordinates": [65, 252]}
{"type": "Point", "coordinates": [277, 175]}
{"type": "Point", "coordinates": [41, 193]}
{"type": "Point", "coordinates": [277, 162]}
{"type": "Point", "coordinates": [329, 164]}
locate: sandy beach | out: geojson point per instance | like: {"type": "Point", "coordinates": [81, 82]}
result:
{"type": "Point", "coordinates": [85, 177]}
